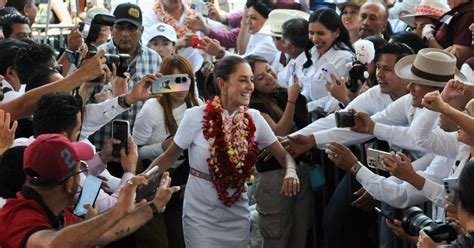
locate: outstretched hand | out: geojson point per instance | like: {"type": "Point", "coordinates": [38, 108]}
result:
{"type": "Point", "coordinates": [7, 133]}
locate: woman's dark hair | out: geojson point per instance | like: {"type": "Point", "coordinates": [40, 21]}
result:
{"type": "Point", "coordinates": [56, 112]}
{"type": "Point", "coordinates": [466, 187]}
{"type": "Point", "coordinates": [263, 7]}
{"type": "Point", "coordinates": [296, 32]}
{"type": "Point", "coordinates": [411, 39]}
{"type": "Point", "coordinates": [258, 97]}
{"type": "Point", "coordinates": [227, 66]}
{"type": "Point", "coordinates": [167, 67]}
{"type": "Point", "coordinates": [11, 172]}
{"type": "Point", "coordinates": [331, 20]}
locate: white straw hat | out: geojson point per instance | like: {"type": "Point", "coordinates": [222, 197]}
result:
{"type": "Point", "coordinates": [431, 66]}
{"type": "Point", "coordinates": [276, 18]}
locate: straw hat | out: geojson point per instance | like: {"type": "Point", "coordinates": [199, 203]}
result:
{"type": "Point", "coordinates": [277, 17]}
{"type": "Point", "coordinates": [428, 8]}
{"type": "Point", "coordinates": [431, 66]}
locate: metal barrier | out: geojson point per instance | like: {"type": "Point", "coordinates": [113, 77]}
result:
{"type": "Point", "coordinates": [56, 35]}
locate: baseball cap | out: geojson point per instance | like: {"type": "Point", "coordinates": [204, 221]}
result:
{"type": "Point", "coordinates": [159, 29]}
{"type": "Point", "coordinates": [52, 157]}
{"type": "Point", "coordinates": [128, 12]}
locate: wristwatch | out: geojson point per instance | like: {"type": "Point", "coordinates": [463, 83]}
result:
{"type": "Point", "coordinates": [154, 209]}
{"type": "Point", "coordinates": [355, 168]}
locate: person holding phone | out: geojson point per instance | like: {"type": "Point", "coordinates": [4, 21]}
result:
{"type": "Point", "coordinates": [278, 107]}
{"type": "Point", "coordinates": [223, 138]}
{"type": "Point", "coordinates": [155, 126]}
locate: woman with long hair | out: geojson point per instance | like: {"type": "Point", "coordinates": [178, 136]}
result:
{"type": "Point", "coordinates": [223, 139]}
{"type": "Point", "coordinates": [331, 48]}
{"type": "Point", "coordinates": [278, 107]}
{"type": "Point", "coordinates": [155, 126]}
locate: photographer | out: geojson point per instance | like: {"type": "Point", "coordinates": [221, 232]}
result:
{"type": "Point", "coordinates": [126, 34]}
{"type": "Point", "coordinates": [465, 211]}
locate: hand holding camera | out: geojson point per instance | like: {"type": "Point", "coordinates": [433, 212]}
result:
{"type": "Point", "coordinates": [363, 123]}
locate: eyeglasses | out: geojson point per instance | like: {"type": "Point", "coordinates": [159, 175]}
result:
{"type": "Point", "coordinates": [83, 167]}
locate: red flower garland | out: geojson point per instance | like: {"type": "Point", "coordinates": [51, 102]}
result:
{"type": "Point", "coordinates": [231, 160]}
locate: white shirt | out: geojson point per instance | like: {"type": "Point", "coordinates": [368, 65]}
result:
{"type": "Point", "coordinates": [12, 94]}
{"type": "Point", "coordinates": [371, 102]}
{"type": "Point", "coordinates": [260, 44]}
{"type": "Point", "coordinates": [398, 193]}
{"type": "Point", "coordinates": [206, 221]}
{"type": "Point", "coordinates": [391, 125]}
{"type": "Point", "coordinates": [317, 90]}
{"type": "Point", "coordinates": [294, 66]}
{"type": "Point", "coordinates": [98, 115]}
{"type": "Point", "coordinates": [443, 143]}
{"type": "Point", "coordinates": [150, 128]}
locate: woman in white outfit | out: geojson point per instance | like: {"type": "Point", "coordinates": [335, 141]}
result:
{"type": "Point", "coordinates": [223, 138]}
{"type": "Point", "coordinates": [331, 46]}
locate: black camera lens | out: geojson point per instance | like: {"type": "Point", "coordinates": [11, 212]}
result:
{"type": "Point", "coordinates": [415, 220]}
{"type": "Point", "coordinates": [181, 80]}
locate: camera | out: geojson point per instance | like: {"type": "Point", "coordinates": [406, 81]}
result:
{"type": "Point", "coordinates": [415, 220]}
{"type": "Point", "coordinates": [90, 29]}
{"type": "Point", "coordinates": [357, 72]}
{"type": "Point", "coordinates": [344, 119]}
{"type": "Point", "coordinates": [120, 61]}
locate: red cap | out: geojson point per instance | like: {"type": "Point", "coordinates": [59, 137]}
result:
{"type": "Point", "coordinates": [51, 157]}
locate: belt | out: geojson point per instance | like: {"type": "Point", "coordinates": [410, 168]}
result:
{"type": "Point", "coordinates": [200, 174]}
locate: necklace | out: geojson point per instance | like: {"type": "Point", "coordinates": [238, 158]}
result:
{"type": "Point", "coordinates": [232, 147]}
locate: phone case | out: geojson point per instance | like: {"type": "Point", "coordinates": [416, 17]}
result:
{"type": "Point", "coordinates": [171, 83]}
{"type": "Point", "coordinates": [120, 131]}
{"type": "Point", "coordinates": [89, 194]}
{"type": "Point", "coordinates": [373, 158]}
{"type": "Point", "coordinates": [153, 183]}
{"type": "Point", "coordinates": [450, 185]}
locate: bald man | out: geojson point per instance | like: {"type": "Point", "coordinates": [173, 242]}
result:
{"type": "Point", "coordinates": [373, 19]}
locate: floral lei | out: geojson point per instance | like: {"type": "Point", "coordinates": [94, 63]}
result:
{"type": "Point", "coordinates": [233, 149]}
{"type": "Point", "coordinates": [170, 20]}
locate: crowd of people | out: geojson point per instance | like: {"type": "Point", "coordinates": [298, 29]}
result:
{"type": "Point", "coordinates": [271, 123]}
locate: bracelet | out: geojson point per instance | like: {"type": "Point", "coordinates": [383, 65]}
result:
{"type": "Point", "coordinates": [291, 102]}
{"type": "Point", "coordinates": [121, 101]}
{"type": "Point", "coordinates": [154, 209]}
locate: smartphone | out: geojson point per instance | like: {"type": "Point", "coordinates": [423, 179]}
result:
{"type": "Point", "coordinates": [344, 119]}
{"type": "Point", "coordinates": [384, 214]}
{"type": "Point", "coordinates": [120, 131]}
{"type": "Point", "coordinates": [200, 7]}
{"type": "Point", "coordinates": [373, 159]}
{"type": "Point", "coordinates": [153, 183]}
{"type": "Point", "coordinates": [451, 185]}
{"type": "Point", "coordinates": [171, 83]}
{"type": "Point", "coordinates": [89, 194]}
{"type": "Point", "coordinates": [195, 41]}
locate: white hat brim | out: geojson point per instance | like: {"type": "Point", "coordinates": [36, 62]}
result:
{"type": "Point", "coordinates": [267, 31]}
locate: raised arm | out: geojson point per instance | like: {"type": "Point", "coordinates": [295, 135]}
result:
{"type": "Point", "coordinates": [24, 105]}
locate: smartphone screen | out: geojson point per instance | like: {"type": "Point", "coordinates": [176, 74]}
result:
{"type": "Point", "coordinates": [171, 83]}
{"type": "Point", "coordinates": [120, 131]}
{"type": "Point", "coordinates": [89, 193]}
